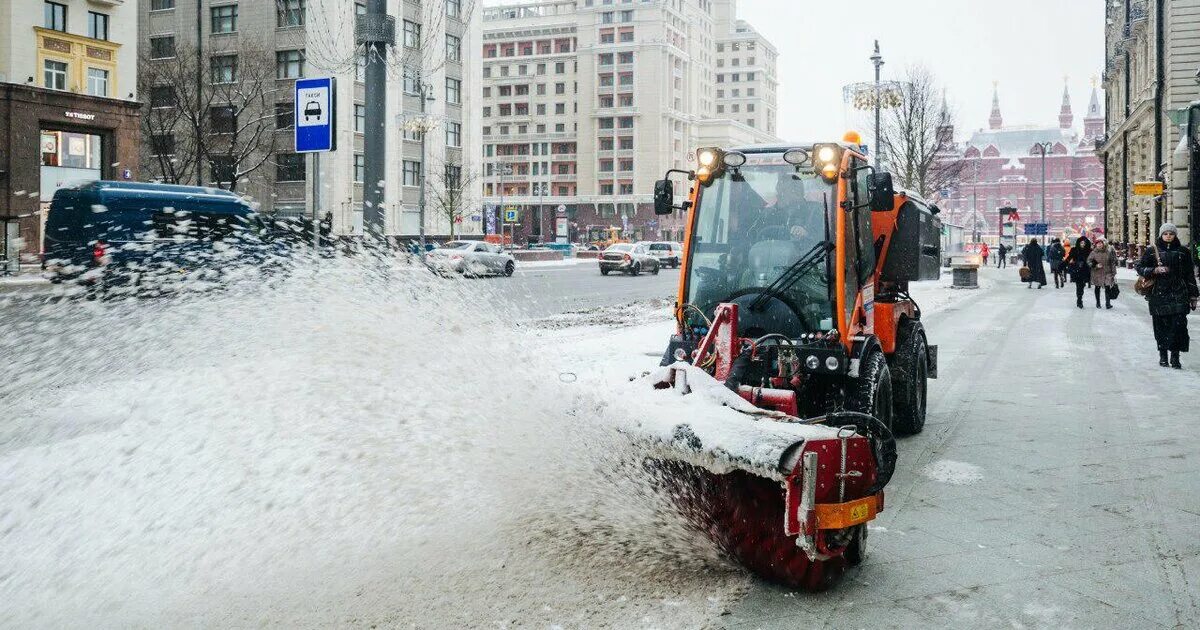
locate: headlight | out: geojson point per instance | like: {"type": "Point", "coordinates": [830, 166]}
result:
{"type": "Point", "coordinates": [831, 363]}
{"type": "Point", "coordinates": [826, 154]}
{"type": "Point", "coordinates": [827, 160]}
{"type": "Point", "coordinates": [707, 158]}
{"type": "Point", "coordinates": [734, 160]}
{"type": "Point", "coordinates": [812, 362]}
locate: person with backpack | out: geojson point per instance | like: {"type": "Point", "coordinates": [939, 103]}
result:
{"type": "Point", "coordinates": [1077, 266]}
{"type": "Point", "coordinates": [1168, 281]}
{"type": "Point", "coordinates": [1056, 255]}
{"type": "Point", "coordinates": [1103, 265]}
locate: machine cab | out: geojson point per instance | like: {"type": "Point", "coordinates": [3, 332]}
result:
{"type": "Point", "coordinates": [785, 233]}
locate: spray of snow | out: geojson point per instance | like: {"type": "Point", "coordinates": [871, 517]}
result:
{"type": "Point", "coordinates": [355, 445]}
{"type": "Point", "coordinates": [954, 473]}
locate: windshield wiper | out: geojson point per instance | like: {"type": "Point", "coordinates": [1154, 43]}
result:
{"type": "Point", "coordinates": [793, 273]}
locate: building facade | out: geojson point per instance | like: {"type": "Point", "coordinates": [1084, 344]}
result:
{"type": "Point", "coordinates": [224, 43]}
{"type": "Point", "coordinates": [1150, 78]}
{"type": "Point", "coordinates": [1002, 167]}
{"type": "Point", "coordinates": [587, 103]}
{"type": "Point", "coordinates": [68, 108]}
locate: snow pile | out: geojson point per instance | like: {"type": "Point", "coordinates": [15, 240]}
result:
{"type": "Point", "coordinates": [356, 446]}
{"type": "Point", "coordinates": [954, 473]}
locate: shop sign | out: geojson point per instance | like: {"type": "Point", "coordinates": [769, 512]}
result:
{"type": "Point", "coordinates": [1147, 189]}
{"type": "Point", "coordinates": [80, 115]}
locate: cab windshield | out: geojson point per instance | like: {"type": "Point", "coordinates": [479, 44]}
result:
{"type": "Point", "coordinates": [755, 224]}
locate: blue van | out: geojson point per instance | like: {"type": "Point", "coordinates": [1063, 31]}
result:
{"type": "Point", "coordinates": [114, 233]}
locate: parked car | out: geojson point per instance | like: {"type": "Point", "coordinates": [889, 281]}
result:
{"type": "Point", "coordinates": [628, 258]}
{"type": "Point", "coordinates": [668, 254]}
{"type": "Point", "coordinates": [471, 258]}
{"type": "Point", "coordinates": [145, 237]}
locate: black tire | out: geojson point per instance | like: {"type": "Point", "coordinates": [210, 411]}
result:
{"type": "Point", "coordinates": [871, 392]}
{"type": "Point", "coordinates": [637, 269]}
{"type": "Point", "coordinates": [603, 271]}
{"type": "Point", "coordinates": [657, 268]}
{"type": "Point", "coordinates": [509, 268]}
{"type": "Point", "coordinates": [910, 368]}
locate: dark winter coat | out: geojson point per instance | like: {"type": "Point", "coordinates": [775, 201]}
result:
{"type": "Point", "coordinates": [1174, 290]}
{"type": "Point", "coordinates": [1055, 255]}
{"type": "Point", "coordinates": [1032, 255]}
{"type": "Point", "coordinates": [1077, 261]}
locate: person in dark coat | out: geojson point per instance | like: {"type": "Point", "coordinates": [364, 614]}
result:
{"type": "Point", "coordinates": [1077, 266]}
{"type": "Point", "coordinates": [1002, 256]}
{"type": "Point", "coordinates": [1174, 293]}
{"type": "Point", "coordinates": [1032, 255]}
{"type": "Point", "coordinates": [1056, 254]}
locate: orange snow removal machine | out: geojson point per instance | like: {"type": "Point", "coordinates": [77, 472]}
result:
{"type": "Point", "coordinates": [794, 309]}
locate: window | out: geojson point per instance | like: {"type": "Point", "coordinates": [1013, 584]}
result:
{"type": "Point", "coordinates": [360, 117]}
{"type": "Point", "coordinates": [412, 173]}
{"type": "Point", "coordinates": [285, 115]}
{"type": "Point", "coordinates": [162, 47]}
{"type": "Point", "coordinates": [453, 48]}
{"type": "Point", "coordinates": [453, 177]}
{"type": "Point", "coordinates": [627, 16]}
{"type": "Point", "coordinates": [560, 67]}
{"type": "Point", "coordinates": [626, 143]}
{"type": "Point", "coordinates": [55, 16]}
{"type": "Point", "coordinates": [222, 169]}
{"type": "Point", "coordinates": [224, 18]}
{"type": "Point", "coordinates": [606, 59]}
{"type": "Point", "coordinates": [560, 108]}
{"type": "Point", "coordinates": [162, 96]}
{"type": "Point", "coordinates": [626, 36]}
{"type": "Point", "coordinates": [97, 82]}
{"type": "Point", "coordinates": [360, 168]}
{"type": "Point", "coordinates": [289, 167]}
{"type": "Point", "coordinates": [412, 34]}
{"type": "Point", "coordinates": [161, 5]}
{"type": "Point", "coordinates": [607, 38]}
{"type": "Point", "coordinates": [223, 68]}
{"type": "Point", "coordinates": [162, 144]}
{"type": "Point", "coordinates": [454, 134]}
{"type": "Point", "coordinates": [626, 189]}
{"type": "Point", "coordinates": [560, 88]}
{"type": "Point", "coordinates": [625, 57]}
{"type": "Point", "coordinates": [55, 76]}
{"type": "Point", "coordinates": [222, 119]}
{"type": "Point", "coordinates": [454, 91]}
{"type": "Point", "coordinates": [606, 18]}
{"type": "Point", "coordinates": [289, 64]}
{"type": "Point", "coordinates": [98, 25]}
{"type": "Point", "coordinates": [289, 13]}
{"type": "Point", "coordinates": [411, 83]}
{"type": "Point", "coordinates": [454, 8]}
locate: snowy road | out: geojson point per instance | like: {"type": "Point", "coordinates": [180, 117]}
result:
{"type": "Point", "coordinates": [1056, 485]}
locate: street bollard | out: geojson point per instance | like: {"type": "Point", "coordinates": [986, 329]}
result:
{"type": "Point", "coordinates": [966, 275]}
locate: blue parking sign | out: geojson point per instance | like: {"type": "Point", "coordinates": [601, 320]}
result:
{"type": "Point", "coordinates": [316, 115]}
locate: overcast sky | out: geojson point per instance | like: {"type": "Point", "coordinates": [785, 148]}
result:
{"type": "Point", "coordinates": [1026, 45]}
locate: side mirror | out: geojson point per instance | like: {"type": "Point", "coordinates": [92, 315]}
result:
{"type": "Point", "coordinates": [664, 197]}
{"type": "Point", "coordinates": [881, 191]}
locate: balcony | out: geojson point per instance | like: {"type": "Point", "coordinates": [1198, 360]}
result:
{"type": "Point", "coordinates": [564, 177]}
{"type": "Point", "coordinates": [564, 157]}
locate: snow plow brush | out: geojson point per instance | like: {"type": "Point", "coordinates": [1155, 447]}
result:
{"type": "Point", "coordinates": [788, 499]}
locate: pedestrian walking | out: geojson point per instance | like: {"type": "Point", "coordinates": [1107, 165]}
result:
{"type": "Point", "coordinates": [1173, 294]}
{"type": "Point", "coordinates": [1056, 255]}
{"type": "Point", "coordinates": [1077, 266]}
{"type": "Point", "coordinates": [1032, 255]}
{"type": "Point", "coordinates": [1103, 265]}
{"type": "Point", "coordinates": [984, 251]}
{"type": "Point", "coordinates": [1002, 259]}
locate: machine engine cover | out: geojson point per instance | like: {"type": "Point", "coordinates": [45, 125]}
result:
{"type": "Point", "coordinates": [915, 253]}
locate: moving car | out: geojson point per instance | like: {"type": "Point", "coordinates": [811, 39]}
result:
{"type": "Point", "coordinates": [114, 234]}
{"type": "Point", "coordinates": [628, 258]}
{"type": "Point", "coordinates": [473, 258]}
{"type": "Point", "coordinates": [668, 254]}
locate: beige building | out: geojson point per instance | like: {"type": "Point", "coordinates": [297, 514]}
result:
{"type": "Point", "coordinates": [315, 38]}
{"type": "Point", "coordinates": [69, 109]}
{"type": "Point", "coordinates": [587, 103]}
{"type": "Point", "coordinates": [1148, 89]}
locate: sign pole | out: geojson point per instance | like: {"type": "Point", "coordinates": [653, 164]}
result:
{"type": "Point", "coordinates": [316, 213]}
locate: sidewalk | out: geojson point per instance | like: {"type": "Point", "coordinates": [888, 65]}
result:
{"type": "Point", "coordinates": [24, 283]}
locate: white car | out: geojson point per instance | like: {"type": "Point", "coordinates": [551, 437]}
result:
{"type": "Point", "coordinates": [669, 254]}
{"type": "Point", "coordinates": [628, 258]}
{"type": "Point", "coordinates": [471, 258]}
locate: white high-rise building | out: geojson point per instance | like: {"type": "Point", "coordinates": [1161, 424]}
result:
{"type": "Point", "coordinates": [587, 103]}
{"type": "Point", "coordinates": [437, 41]}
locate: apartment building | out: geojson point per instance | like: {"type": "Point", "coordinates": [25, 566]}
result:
{"type": "Point", "coordinates": [586, 103]}
{"type": "Point", "coordinates": [1152, 74]}
{"type": "Point", "coordinates": [747, 82]}
{"type": "Point", "coordinates": [68, 108]}
{"type": "Point", "coordinates": [226, 42]}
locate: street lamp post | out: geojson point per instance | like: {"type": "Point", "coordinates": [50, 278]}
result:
{"type": "Point", "coordinates": [425, 95]}
{"type": "Point", "coordinates": [541, 200]}
{"type": "Point", "coordinates": [1043, 147]}
{"type": "Point", "coordinates": [877, 60]}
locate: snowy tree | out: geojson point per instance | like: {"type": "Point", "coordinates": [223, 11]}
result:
{"type": "Point", "coordinates": [450, 190]}
{"type": "Point", "coordinates": [919, 155]}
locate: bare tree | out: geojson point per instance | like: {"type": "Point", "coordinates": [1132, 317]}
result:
{"type": "Point", "coordinates": [449, 190]}
{"type": "Point", "coordinates": [220, 115]}
{"type": "Point", "coordinates": [918, 153]}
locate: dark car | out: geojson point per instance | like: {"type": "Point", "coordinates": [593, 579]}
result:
{"type": "Point", "coordinates": [136, 234]}
{"type": "Point", "coordinates": [628, 258]}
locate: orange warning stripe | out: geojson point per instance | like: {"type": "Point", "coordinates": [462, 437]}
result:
{"type": "Point", "coordinates": [849, 514]}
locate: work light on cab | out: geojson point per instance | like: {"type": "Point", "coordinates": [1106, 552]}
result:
{"type": "Point", "coordinates": [827, 160]}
